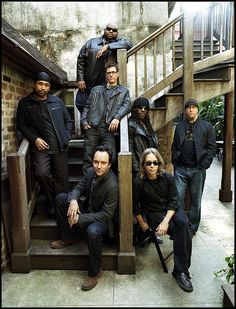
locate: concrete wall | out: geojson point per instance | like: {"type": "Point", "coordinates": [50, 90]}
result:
{"type": "Point", "coordinates": [59, 29]}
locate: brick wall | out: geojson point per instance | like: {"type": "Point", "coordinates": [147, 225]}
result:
{"type": "Point", "coordinates": [15, 85]}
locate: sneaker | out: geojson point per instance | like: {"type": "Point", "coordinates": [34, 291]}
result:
{"type": "Point", "coordinates": [90, 282]}
{"type": "Point", "coordinates": [59, 244]}
{"type": "Point", "coordinates": [184, 282]}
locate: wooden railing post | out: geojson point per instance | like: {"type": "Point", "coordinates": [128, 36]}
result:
{"type": "Point", "coordinates": [188, 57]}
{"type": "Point", "coordinates": [20, 258]}
{"type": "Point", "coordinates": [126, 256]}
{"type": "Point", "coordinates": [225, 193]}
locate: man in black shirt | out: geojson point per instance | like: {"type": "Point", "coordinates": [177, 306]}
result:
{"type": "Point", "coordinates": [156, 206]}
{"type": "Point", "coordinates": [45, 122]}
{"type": "Point", "coordinates": [193, 150]}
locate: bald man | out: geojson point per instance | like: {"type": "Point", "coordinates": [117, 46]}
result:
{"type": "Point", "coordinates": [93, 56]}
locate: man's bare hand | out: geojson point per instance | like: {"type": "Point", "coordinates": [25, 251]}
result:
{"type": "Point", "coordinates": [40, 144]}
{"type": "Point", "coordinates": [113, 127]}
{"type": "Point", "coordinates": [81, 85]}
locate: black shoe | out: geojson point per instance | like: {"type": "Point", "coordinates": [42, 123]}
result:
{"type": "Point", "coordinates": [193, 233]}
{"type": "Point", "coordinates": [184, 282]}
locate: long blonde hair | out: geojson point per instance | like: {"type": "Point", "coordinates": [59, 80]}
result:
{"type": "Point", "coordinates": [158, 157]}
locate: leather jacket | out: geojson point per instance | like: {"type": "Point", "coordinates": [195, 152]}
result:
{"type": "Point", "coordinates": [118, 104]}
{"type": "Point", "coordinates": [204, 141]}
{"type": "Point", "coordinates": [30, 121]}
{"type": "Point", "coordinates": [138, 142]}
{"type": "Point", "coordinates": [91, 69]}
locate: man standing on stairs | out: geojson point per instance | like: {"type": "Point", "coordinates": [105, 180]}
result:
{"type": "Point", "coordinates": [193, 150]}
{"type": "Point", "coordinates": [96, 214]}
{"type": "Point", "coordinates": [92, 59]}
{"type": "Point", "coordinates": [45, 122]}
{"type": "Point", "coordinates": [105, 107]}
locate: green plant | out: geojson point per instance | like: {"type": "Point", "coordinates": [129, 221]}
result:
{"type": "Point", "coordinates": [213, 111]}
{"type": "Point", "coordinates": [228, 271]}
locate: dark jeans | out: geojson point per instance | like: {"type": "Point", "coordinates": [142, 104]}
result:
{"type": "Point", "coordinates": [194, 179]}
{"type": "Point", "coordinates": [97, 136]}
{"type": "Point", "coordinates": [81, 98]}
{"type": "Point", "coordinates": [51, 171]}
{"type": "Point", "coordinates": [95, 233]}
{"type": "Point", "coordinates": [179, 229]}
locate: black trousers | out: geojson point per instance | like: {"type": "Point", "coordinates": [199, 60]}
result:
{"type": "Point", "coordinates": [95, 233]}
{"type": "Point", "coordinates": [179, 229]}
{"type": "Point", "coordinates": [51, 171]}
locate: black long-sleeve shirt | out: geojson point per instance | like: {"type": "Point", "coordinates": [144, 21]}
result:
{"type": "Point", "coordinates": [155, 196]}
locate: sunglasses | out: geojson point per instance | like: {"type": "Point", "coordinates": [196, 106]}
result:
{"type": "Point", "coordinates": [143, 107]}
{"type": "Point", "coordinates": [149, 163]}
{"type": "Point", "coordinates": [111, 29]}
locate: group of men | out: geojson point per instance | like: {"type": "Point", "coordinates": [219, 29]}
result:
{"type": "Point", "coordinates": [158, 197]}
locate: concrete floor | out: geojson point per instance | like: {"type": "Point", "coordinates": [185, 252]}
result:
{"type": "Point", "coordinates": [150, 286]}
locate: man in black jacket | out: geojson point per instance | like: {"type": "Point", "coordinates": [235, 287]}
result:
{"type": "Point", "coordinates": [105, 107]}
{"type": "Point", "coordinates": [45, 122]}
{"type": "Point", "coordinates": [156, 206]}
{"type": "Point", "coordinates": [193, 150]}
{"type": "Point", "coordinates": [92, 59]}
{"type": "Point", "coordinates": [99, 191]}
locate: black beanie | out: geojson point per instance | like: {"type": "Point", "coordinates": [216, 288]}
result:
{"type": "Point", "coordinates": [42, 76]}
{"type": "Point", "coordinates": [191, 102]}
{"type": "Point", "coordinates": [141, 102]}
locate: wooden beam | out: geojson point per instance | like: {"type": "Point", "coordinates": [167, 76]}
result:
{"type": "Point", "coordinates": [225, 193]}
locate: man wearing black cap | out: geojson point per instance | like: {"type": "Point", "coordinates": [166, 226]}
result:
{"type": "Point", "coordinates": [45, 122]}
{"type": "Point", "coordinates": [92, 59]}
{"type": "Point", "coordinates": [193, 150]}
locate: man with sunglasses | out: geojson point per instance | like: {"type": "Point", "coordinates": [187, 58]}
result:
{"type": "Point", "coordinates": [141, 137]}
{"type": "Point", "coordinates": [155, 195]}
{"type": "Point", "coordinates": [92, 58]}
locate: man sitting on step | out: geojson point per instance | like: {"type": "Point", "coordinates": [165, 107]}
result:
{"type": "Point", "coordinates": [96, 214]}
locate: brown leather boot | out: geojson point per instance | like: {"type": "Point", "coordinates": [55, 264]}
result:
{"type": "Point", "coordinates": [90, 282]}
{"type": "Point", "coordinates": [59, 244]}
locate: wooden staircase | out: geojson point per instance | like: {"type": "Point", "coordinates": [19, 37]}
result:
{"type": "Point", "coordinates": [43, 230]}
{"type": "Point", "coordinates": [203, 80]}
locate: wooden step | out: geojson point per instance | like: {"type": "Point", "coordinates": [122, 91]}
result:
{"type": "Point", "coordinates": [43, 227]}
{"type": "Point", "coordinates": [71, 257]}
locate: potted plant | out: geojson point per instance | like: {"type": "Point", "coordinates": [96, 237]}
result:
{"type": "Point", "coordinates": [228, 288]}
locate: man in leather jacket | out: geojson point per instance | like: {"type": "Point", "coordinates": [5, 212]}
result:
{"type": "Point", "coordinates": [98, 190]}
{"type": "Point", "coordinates": [141, 133]}
{"type": "Point", "coordinates": [193, 150]}
{"type": "Point", "coordinates": [45, 122]}
{"type": "Point", "coordinates": [92, 59]}
{"type": "Point", "coordinates": [105, 107]}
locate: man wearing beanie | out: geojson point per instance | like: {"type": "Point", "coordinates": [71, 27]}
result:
{"type": "Point", "coordinates": [141, 133]}
{"type": "Point", "coordinates": [193, 150]}
{"type": "Point", "coordinates": [45, 122]}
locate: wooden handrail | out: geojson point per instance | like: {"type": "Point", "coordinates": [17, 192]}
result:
{"type": "Point", "coordinates": [154, 35]}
